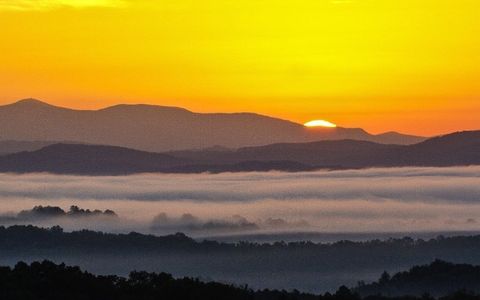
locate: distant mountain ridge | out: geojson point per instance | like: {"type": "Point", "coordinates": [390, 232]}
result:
{"type": "Point", "coordinates": [461, 148]}
{"type": "Point", "coordinates": [160, 128]}
{"type": "Point", "coordinates": [88, 159]}
{"type": "Point", "coordinates": [457, 149]}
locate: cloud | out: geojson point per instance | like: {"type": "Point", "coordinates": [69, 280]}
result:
{"type": "Point", "coordinates": [354, 200]}
{"type": "Point", "coordinates": [447, 185]}
{"type": "Point", "coordinates": [54, 4]}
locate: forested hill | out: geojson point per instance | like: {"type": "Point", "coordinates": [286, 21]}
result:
{"type": "Point", "coordinates": [438, 278]}
{"type": "Point", "coordinates": [47, 280]}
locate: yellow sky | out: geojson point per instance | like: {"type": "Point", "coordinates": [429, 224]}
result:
{"type": "Point", "coordinates": [410, 65]}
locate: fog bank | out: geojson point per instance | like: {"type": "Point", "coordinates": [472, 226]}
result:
{"type": "Point", "coordinates": [394, 199]}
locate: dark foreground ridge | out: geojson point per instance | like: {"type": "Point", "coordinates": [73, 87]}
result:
{"type": "Point", "coordinates": [47, 280]}
{"type": "Point", "coordinates": [457, 149]}
{"type": "Point", "coordinates": [437, 279]}
{"type": "Point", "coordinates": [313, 264]}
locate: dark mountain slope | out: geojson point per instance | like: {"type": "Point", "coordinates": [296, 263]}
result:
{"type": "Point", "coordinates": [111, 160]}
{"type": "Point", "coordinates": [461, 148]}
{"type": "Point", "coordinates": [87, 159]}
{"type": "Point", "coordinates": [343, 153]}
{"type": "Point", "coordinates": [7, 147]}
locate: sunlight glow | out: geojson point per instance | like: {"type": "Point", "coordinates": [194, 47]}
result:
{"type": "Point", "coordinates": [319, 123]}
{"type": "Point", "coordinates": [381, 65]}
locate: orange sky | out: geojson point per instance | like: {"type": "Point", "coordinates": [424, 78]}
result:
{"type": "Point", "coordinates": [411, 66]}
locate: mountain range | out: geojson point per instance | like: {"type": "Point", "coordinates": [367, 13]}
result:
{"type": "Point", "coordinates": [160, 128]}
{"type": "Point", "coordinates": [125, 139]}
{"type": "Point", "coordinates": [462, 148]}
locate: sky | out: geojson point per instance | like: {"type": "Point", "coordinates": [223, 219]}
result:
{"type": "Point", "coordinates": [410, 66]}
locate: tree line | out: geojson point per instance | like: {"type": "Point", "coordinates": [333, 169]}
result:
{"type": "Point", "coordinates": [47, 280]}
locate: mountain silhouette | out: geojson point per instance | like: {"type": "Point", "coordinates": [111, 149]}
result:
{"type": "Point", "coordinates": [87, 159]}
{"type": "Point", "coordinates": [7, 147]}
{"type": "Point", "coordinates": [457, 149]}
{"type": "Point", "coordinates": [461, 148]}
{"type": "Point", "coordinates": [161, 128]}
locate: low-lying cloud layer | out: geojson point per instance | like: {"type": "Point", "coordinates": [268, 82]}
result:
{"type": "Point", "coordinates": [399, 184]}
{"type": "Point", "coordinates": [355, 200]}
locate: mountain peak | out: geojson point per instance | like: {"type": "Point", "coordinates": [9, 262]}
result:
{"type": "Point", "coordinates": [30, 101]}
{"type": "Point", "coordinates": [31, 105]}
{"type": "Point", "coordinates": [144, 107]}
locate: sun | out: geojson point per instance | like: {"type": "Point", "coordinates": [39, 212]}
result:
{"type": "Point", "coordinates": [320, 123]}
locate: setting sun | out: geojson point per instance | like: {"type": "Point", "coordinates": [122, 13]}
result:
{"type": "Point", "coordinates": [381, 65]}
{"type": "Point", "coordinates": [320, 123]}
